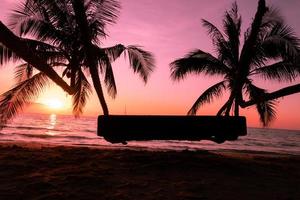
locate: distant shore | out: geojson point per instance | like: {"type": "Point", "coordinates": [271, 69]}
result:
{"type": "Point", "coordinates": [47, 172]}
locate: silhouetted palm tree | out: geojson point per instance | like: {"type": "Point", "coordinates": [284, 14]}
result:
{"type": "Point", "coordinates": [68, 35]}
{"type": "Point", "coordinates": [269, 51]}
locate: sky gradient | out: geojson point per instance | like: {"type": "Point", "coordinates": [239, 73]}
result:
{"type": "Point", "coordinates": [170, 29]}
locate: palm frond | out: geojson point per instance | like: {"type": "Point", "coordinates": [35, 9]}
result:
{"type": "Point", "coordinates": [109, 78]}
{"type": "Point", "coordinates": [198, 62]}
{"type": "Point", "coordinates": [99, 14]}
{"type": "Point", "coordinates": [58, 64]}
{"type": "Point", "coordinates": [280, 71]}
{"type": "Point", "coordinates": [109, 81]}
{"type": "Point", "coordinates": [258, 57]}
{"type": "Point", "coordinates": [270, 18]}
{"type": "Point", "coordinates": [44, 20]}
{"type": "Point", "coordinates": [215, 34]}
{"type": "Point", "coordinates": [281, 41]}
{"type": "Point", "coordinates": [232, 27]}
{"type": "Point", "coordinates": [12, 101]}
{"type": "Point", "coordinates": [23, 72]}
{"type": "Point", "coordinates": [82, 91]}
{"type": "Point", "coordinates": [114, 52]}
{"type": "Point", "coordinates": [40, 45]}
{"type": "Point", "coordinates": [225, 109]}
{"type": "Point", "coordinates": [43, 31]}
{"type": "Point", "coordinates": [24, 10]}
{"type": "Point", "coordinates": [58, 13]}
{"type": "Point", "coordinates": [219, 42]}
{"type": "Point", "coordinates": [275, 40]}
{"type": "Point", "coordinates": [265, 109]}
{"type": "Point", "coordinates": [104, 57]}
{"type": "Point", "coordinates": [6, 55]}
{"type": "Point", "coordinates": [47, 52]}
{"type": "Point", "coordinates": [105, 11]}
{"type": "Point", "coordinates": [141, 61]}
{"type": "Point", "coordinates": [97, 31]}
{"type": "Point", "coordinates": [253, 91]}
{"type": "Point", "coordinates": [207, 96]}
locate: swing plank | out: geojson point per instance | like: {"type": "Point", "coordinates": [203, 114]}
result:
{"type": "Point", "coordinates": [123, 128]}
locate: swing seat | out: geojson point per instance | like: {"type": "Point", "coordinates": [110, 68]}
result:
{"type": "Point", "coordinates": [123, 128]}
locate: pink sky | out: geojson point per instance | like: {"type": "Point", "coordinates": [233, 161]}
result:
{"type": "Point", "coordinates": [170, 29]}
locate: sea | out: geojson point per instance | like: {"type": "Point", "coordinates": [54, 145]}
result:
{"type": "Point", "coordinates": [65, 130]}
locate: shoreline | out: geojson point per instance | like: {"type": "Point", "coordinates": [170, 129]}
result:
{"type": "Point", "coordinates": [47, 172]}
{"type": "Point", "coordinates": [39, 145]}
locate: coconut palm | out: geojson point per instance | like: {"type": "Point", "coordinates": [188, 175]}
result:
{"type": "Point", "coordinates": [269, 51]}
{"type": "Point", "coordinates": [61, 42]}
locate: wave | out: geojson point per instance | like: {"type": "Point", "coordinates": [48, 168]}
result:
{"type": "Point", "coordinates": [53, 136]}
{"type": "Point", "coordinates": [38, 128]}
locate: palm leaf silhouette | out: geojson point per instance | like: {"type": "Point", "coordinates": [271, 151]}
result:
{"type": "Point", "coordinates": [19, 96]}
{"type": "Point", "coordinates": [82, 92]}
{"type": "Point", "coordinates": [207, 96]}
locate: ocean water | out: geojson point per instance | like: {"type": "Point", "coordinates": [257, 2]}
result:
{"type": "Point", "coordinates": [66, 130]}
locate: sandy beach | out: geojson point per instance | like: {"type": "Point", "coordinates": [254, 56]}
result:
{"type": "Point", "coordinates": [40, 172]}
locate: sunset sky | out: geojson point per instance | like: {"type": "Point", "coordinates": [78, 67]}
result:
{"type": "Point", "coordinates": [169, 29]}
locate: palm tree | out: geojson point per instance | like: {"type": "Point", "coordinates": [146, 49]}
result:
{"type": "Point", "coordinates": [269, 51]}
{"type": "Point", "coordinates": [61, 42]}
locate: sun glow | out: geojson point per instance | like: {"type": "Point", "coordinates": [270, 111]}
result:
{"type": "Point", "coordinates": [54, 103]}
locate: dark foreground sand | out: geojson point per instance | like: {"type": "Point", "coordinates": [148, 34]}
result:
{"type": "Point", "coordinates": [82, 173]}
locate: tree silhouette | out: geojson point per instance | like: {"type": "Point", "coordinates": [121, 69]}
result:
{"type": "Point", "coordinates": [67, 34]}
{"type": "Point", "coordinates": [270, 51]}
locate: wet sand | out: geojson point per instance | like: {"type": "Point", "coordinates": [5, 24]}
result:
{"type": "Point", "coordinates": [39, 172]}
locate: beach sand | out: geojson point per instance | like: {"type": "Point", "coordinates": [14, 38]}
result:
{"type": "Point", "coordinates": [39, 172]}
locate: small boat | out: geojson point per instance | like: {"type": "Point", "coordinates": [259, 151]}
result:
{"type": "Point", "coordinates": [124, 128]}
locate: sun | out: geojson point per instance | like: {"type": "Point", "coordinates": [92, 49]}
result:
{"type": "Point", "coordinates": [54, 103]}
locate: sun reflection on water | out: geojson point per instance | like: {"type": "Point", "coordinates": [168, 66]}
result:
{"type": "Point", "coordinates": [52, 123]}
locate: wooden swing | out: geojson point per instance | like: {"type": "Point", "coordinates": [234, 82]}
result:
{"type": "Point", "coordinates": [123, 128]}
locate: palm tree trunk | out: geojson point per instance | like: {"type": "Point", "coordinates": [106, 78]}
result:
{"type": "Point", "coordinates": [225, 108]}
{"type": "Point", "coordinates": [99, 91]}
{"type": "Point", "coordinates": [222, 109]}
{"type": "Point", "coordinates": [238, 99]}
{"type": "Point", "coordinates": [227, 111]}
{"type": "Point", "coordinates": [248, 48]}
{"type": "Point", "coordinates": [236, 108]}
{"type": "Point", "coordinates": [73, 77]}
{"type": "Point", "coordinates": [73, 66]}
{"type": "Point", "coordinates": [81, 20]}
{"type": "Point", "coordinates": [20, 48]}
